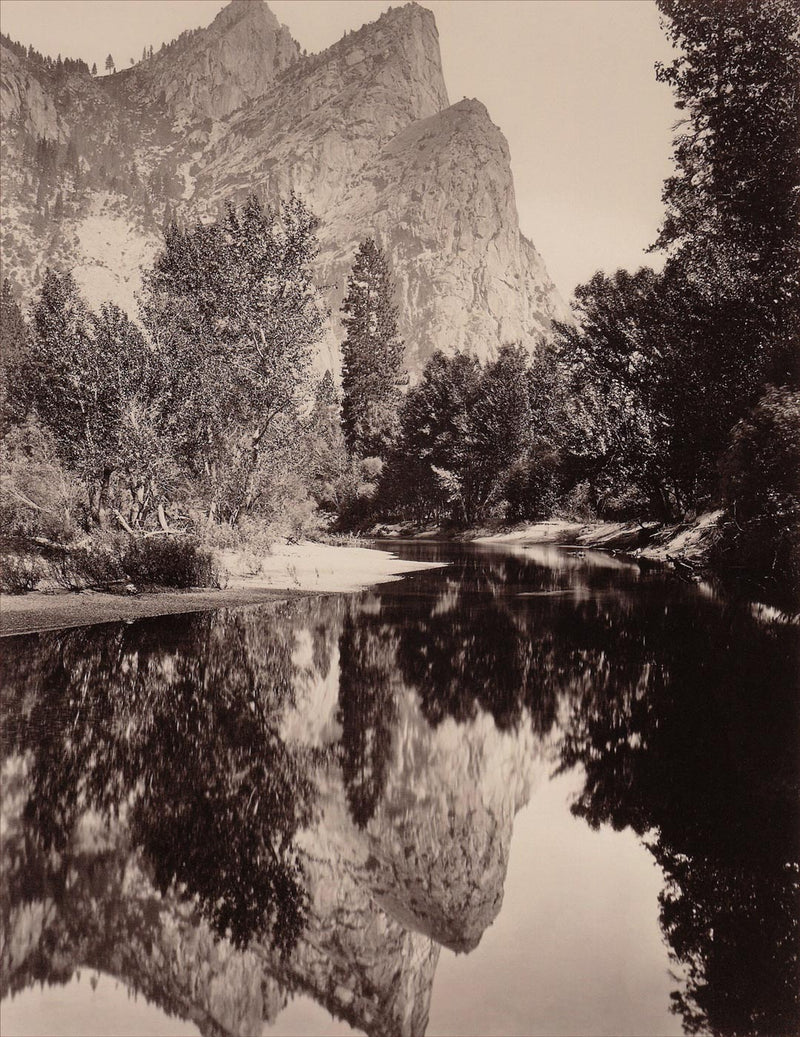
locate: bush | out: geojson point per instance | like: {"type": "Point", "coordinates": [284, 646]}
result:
{"type": "Point", "coordinates": [38, 498]}
{"type": "Point", "coordinates": [20, 573]}
{"type": "Point", "coordinates": [532, 486]}
{"type": "Point", "coordinates": [171, 562]}
{"type": "Point", "coordinates": [760, 534]}
{"type": "Point", "coordinates": [97, 565]}
{"type": "Point", "coordinates": [576, 505]}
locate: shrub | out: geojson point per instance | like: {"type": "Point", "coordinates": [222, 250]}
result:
{"type": "Point", "coordinates": [38, 498]}
{"type": "Point", "coordinates": [19, 573]}
{"type": "Point", "coordinates": [531, 486]}
{"type": "Point", "coordinates": [576, 505]}
{"type": "Point", "coordinates": [761, 488]}
{"type": "Point", "coordinates": [96, 564]}
{"type": "Point", "coordinates": [171, 562]}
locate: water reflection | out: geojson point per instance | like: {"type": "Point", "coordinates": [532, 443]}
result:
{"type": "Point", "coordinates": [331, 787]}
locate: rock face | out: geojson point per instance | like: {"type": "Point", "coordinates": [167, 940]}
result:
{"type": "Point", "coordinates": [440, 198]}
{"type": "Point", "coordinates": [363, 131]}
{"type": "Point", "coordinates": [216, 70]}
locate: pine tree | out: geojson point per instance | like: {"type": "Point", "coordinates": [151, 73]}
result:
{"type": "Point", "coordinates": [372, 356]}
{"type": "Point", "coordinates": [109, 64]}
{"type": "Point", "coordinates": [94, 68]}
{"type": "Point", "coordinates": [14, 402]}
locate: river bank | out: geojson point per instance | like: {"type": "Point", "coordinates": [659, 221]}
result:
{"type": "Point", "coordinates": [288, 571]}
{"type": "Point", "coordinates": [684, 543]}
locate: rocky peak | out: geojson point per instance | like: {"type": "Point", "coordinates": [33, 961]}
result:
{"type": "Point", "coordinates": [327, 114]}
{"type": "Point", "coordinates": [211, 72]}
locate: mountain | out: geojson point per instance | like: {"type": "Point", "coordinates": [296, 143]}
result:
{"type": "Point", "coordinates": [364, 131]}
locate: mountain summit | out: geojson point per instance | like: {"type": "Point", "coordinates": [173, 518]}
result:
{"type": "Point", "coordinates": [364, 131]}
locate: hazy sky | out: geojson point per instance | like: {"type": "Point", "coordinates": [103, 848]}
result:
{"type": "Point", "coordinates": [569, 82]}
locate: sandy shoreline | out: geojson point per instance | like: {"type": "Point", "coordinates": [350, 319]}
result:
{"type": "Point", "coordinates": [288, 572]}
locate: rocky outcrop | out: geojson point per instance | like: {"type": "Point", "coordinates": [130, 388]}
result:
{"type": "Point", "coordinates": [435, 854]}
{"type": "Point", "coordinates": [212, 72]}
{"type": "Point", "coordinates": [25, 101]}
{"type": "Point", "coordinates": [440, 199]}
{"type": "Point", "coordinates": [363, 131]}
{"type": "Point", "coordinates": [328, 115]}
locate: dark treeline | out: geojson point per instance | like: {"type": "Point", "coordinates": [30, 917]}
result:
{"type": "Point", "coordinates": [60, 66]}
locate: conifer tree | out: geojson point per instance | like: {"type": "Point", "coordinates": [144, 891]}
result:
{"type": "Point", "coordinates": [94, 68]}
{"type": "Point", "coordinates": [372, 356]}
{"type": "Point", "coordinates": [13, 346]}
{"type": "Point", "coordinates": [109, 64]}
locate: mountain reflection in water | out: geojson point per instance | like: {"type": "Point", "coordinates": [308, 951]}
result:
{"type": "Point", "coordinates": [225, 808]}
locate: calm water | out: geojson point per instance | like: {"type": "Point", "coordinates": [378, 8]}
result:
{"type": "Point", "coordinates": [531, 793]}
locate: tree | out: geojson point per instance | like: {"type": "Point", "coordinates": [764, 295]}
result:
{"type": "Point", "coordinates": [109, 64]}
{"type": "Point", "coordinates": [733, 207]}
{"type": "Point", "coordinates": [462, 428]}
{"type": "Point", "coordinates": [233, 310]}
{"type": "Point", "coordinates": [13, 349]}
{"type": "Point", "coordinates": [761, 485]}
{"type": "Point", "coordinates": [84, 373]}
{"type": "Point", "coordinates": [94, 68]}
{"type": "Point", "coordinates": [328, 462]}
{"type": "Point", "coordinates": [738, 150]}
{"type": "Point", "coordinates": [372, 356]}
{"type": "Point", "coordinates": [434, 423]}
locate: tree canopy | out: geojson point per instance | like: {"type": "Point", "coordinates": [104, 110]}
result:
{"type": "Point", "coordinates": [372, 355]}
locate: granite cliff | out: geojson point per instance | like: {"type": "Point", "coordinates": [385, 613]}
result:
{"type": "Point", "coordinates": [363, 131]}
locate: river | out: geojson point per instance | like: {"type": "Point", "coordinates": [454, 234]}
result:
{"type": "Point", "coordinates": [538, 791]}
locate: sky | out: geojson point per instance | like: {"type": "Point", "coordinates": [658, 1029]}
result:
{"type": "Point", "coordinates": [570, 83]}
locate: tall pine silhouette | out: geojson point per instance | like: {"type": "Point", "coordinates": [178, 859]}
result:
{"type": "Point", "coordinates": [372, 356]}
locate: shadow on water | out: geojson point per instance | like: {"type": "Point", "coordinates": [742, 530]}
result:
{"type": "Point", "coordinates": [679, 709]}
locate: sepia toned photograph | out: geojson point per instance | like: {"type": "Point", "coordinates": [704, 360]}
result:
{"type": "Point", "coordinates": [400, 518]}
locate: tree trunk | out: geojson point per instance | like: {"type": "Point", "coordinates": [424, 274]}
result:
{"type": "Point", "coordinates": [250, 480]}
{"type": "Point", "coordinates": [99, 500]}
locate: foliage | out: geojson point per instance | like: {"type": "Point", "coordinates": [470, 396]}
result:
{"type": "Point", "coordinates": [170, 562]}
{"type": "Point", "coordinates": [367, 712]}
{"type": "Point", "coordinates": [233, 311]}
{"type": "Point", "coordinates": [95, 565]}
{"type": "Point", "coordinates": [462, 429]}
{"type": "Point", "coordinates": [86, 374]}
{"type": "Point", "coordinates": [372, 356]}
{"type": "Point", "coordinates": [761, 485]}
{"type": "Point", "coordinates": [19, 573]}
{"type": "Point", "coordinates": [13, 346]}
{"type": "Point", "coordinates": [38, 496]}
{"type": "Point", "coordinates": [326, 452]}
{"type": "Point", "coordinates": [178, 731]}
{"type": "Point", "coordinates": [737, 151]}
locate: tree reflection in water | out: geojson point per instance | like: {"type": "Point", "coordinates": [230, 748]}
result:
{"type": "Point", "coordinates": [680, 710]}
{"type": "Point", "coordinates": [683, 714]}
{"type": "Point", "coordinates": [175, 723]}
{"type": "Point", "coordinates": [367, 708]}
